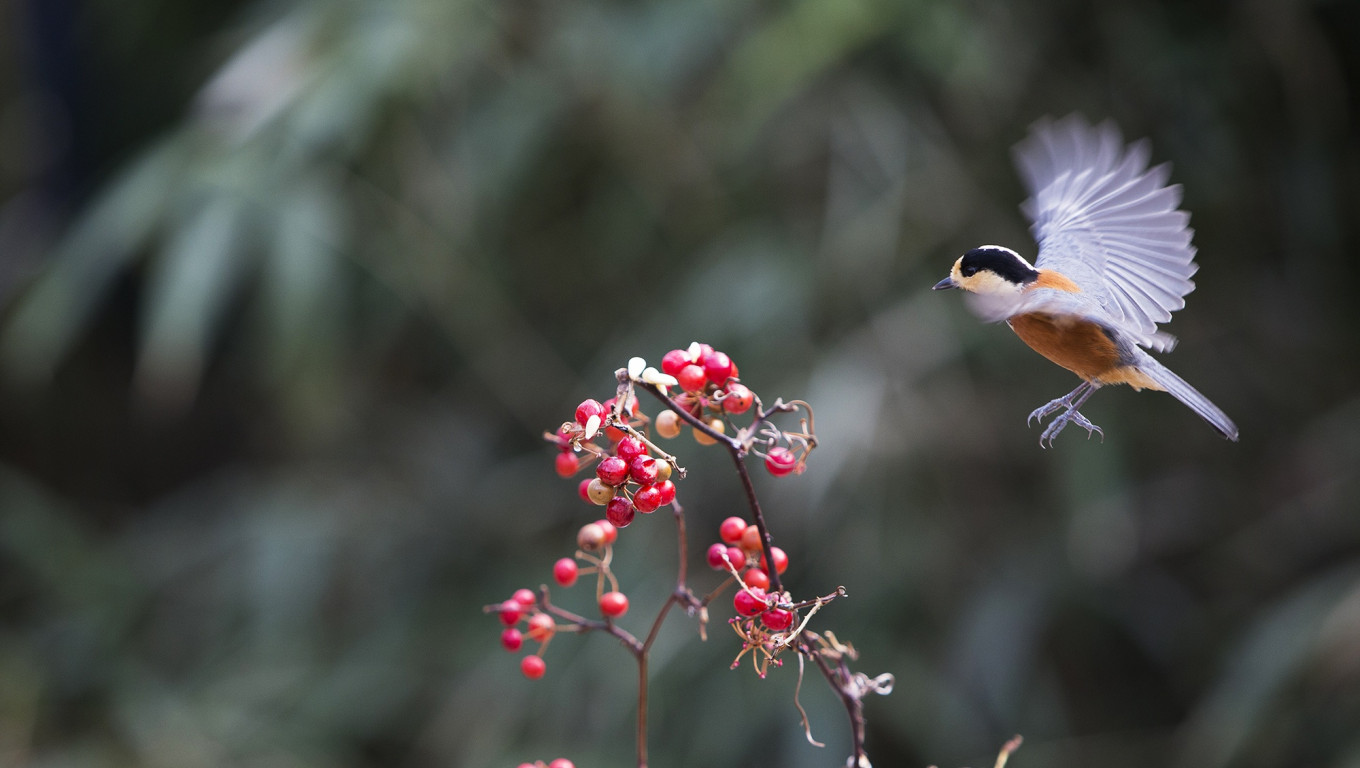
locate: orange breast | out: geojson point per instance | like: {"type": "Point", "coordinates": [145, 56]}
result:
{"type": "Point", "coordinates": [1079, 346]}
{"type": "Point", "coordinates": [1055, 280]}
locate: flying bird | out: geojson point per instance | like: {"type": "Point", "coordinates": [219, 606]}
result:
{"type": "Point", "coordinates": [1114, 260]}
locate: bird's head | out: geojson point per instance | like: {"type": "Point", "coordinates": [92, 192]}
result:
{"type": "Point", "coordinates": [990, 270]}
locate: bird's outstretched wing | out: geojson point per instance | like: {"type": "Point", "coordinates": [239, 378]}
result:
{"type": "Point", "coordinates": [1107, 221]}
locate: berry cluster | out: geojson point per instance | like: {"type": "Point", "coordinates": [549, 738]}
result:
{"type": "Point", "coordinates": [763, 619]}
{"type": "Point", "coordinates": [560, 762]}
{"type": "Point", "coordinates": [595, 547]}
{"type": "Point", "coordinates": [699, 388]}
{"type": "Point", "coordinates": [628, 479]}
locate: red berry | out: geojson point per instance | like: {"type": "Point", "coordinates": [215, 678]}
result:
{"type": "Point", "coordinates": [754, 577]}
{"type": "Point", "coordinates": [644, 470]}
{"type": "Point", "coordinates": [781, 560]}
{"type": "Point", "coordinates": [619, 511]}
{"type": "Point", "coordinates": [668, 491]}
{"type": "Point", "coordinates": [541, 627]}
{"type": "Point", "coordinates": [750, 539]}
{"type": "Point", "coordinates": [564, 571]}
{"type": "Point", "coordinates": [647, 499]}
{"type": "Point", "coordinates": [717, 367]}
{"type": "Point", "coordinates": [737, 555]}
{"type": "Point", "coordinates": [511, 611]}
{"type": "Point", "coordinates": [674, 360]}
{"type": "Point", "coordinates": [704, 350]}
{"type": "Point", "coordinates": [614, 433]}
{"type": "Point", "coordinates": [567, 463]}
{"type": "Point", "coordinates": [524, 597]}
{"type": "Point", "coordinates": [612, 471]}
{"type": "Point", "coordinates": [511, 639]}
{"type": "Point", "coordinates": [780, 461]}
{"type": "Point", "coordinates": [731, 529]}
{"type": "Point", "coordinates": [777, 619]}
{"type": "Point", "coordinates": [611, 534]}
{"type": "Point", "coordinates": [738, 399]}
{"type": "Point", "coordinates": [586, 409]}
{"type": "Point", "coordinates": [561, 762]}
{"type": "Point", "coordinates": [630, 448]}
{"type": "Point", "coordinates": [613, 604]}
{"type": "Point", "coordinates": [691, 378]}
{"type": "Point", "coordinates": [629, 408]}
{"type": "Point", "coordinates": [533, 667]}
{"type": "Point", "coordinates": [715, 557]}
{"type": "Point", "coordinates": [750, 602]}
{"type": "Point", "coordinates": [583, 489]}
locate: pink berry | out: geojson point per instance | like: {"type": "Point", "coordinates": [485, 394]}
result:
{"type": "Point", "coordinates": [780, 461]}
{"type": "Point", "coordinates": [667, 490]}
{"type": "Point", "coordinates": [620, 511]}
{"type": "Point", "coordinates": [754, 577]}
{"type": "Point", "coordinates": [611, 534]}
{"type": "Point", "coordinates": [750, 602]}
{"type": "Point", "coordinates": [715, 557]}
{"type": "Point", "coordinates": [612, 471]}
{"type": "Point", "coordinates": [739, 399]}
{"type": "Point", "coordinates": [583, 488]}
{"type": "Point", "coordinates": [511, 611]}
{"type": "Point", "coordinates": [524, 597]}
{"type": "Point", "coordinates": [567, 464]}
{"type": "Point", "coordinates": [533, 667]}
{"type": "Point", "coordinates": [777, 619]}
{"type": "Point", "coordinates": [629, 448]}
{"type": "Point", "coordinates": [691, 378]}
{"type": "Point", "coordinates": [561, 762]}
{"type": "Point", "coordinates": [781, 560]}
{"type": "Point", "coordinates": [541, 627]}
{"type": "Point", "coordinates": [586, 409]}
{"type": "Point", "coordinates": [644, 470]}
{"type": "Point", "coordinates": [647, 499]}
{"type": "Point", "coordinates": [737, 555]}
{"type": "Point", "coordinates": [750, 539]}
{"type": "Point", "coordinates": [613, 604]}
{"type": "Point", "coordinates": [731, 529]}
{"type": "Point", "coordinates": [511, 639]}
{"type": "Point", "coordinates": [565, 571]}
{"type": "Point", "coordinates": [717, 367]}
{"type": "Point", "coordinates": [674, 360]}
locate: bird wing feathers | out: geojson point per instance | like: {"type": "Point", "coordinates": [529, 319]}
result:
{"type": "Point", "coordinates": [1108, 222]}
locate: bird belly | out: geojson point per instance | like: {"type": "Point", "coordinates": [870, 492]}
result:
{"type": "Point", "coordinates": [1080, 346]}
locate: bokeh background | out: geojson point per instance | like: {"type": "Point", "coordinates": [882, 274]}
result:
{"type": "Point", "coordinates": [289, 290]}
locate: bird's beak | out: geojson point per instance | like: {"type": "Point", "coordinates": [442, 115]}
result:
{"type": "Point", "coordinates": [946, 284]}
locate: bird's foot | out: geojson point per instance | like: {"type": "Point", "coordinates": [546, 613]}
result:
{"type": "Point", "coordinates": [1063, 403]}
{"type": "Point", "coordinates": [1073, 416]}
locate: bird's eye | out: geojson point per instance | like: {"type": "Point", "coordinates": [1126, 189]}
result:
{"type": "Point", "coordinates": [969, 270]}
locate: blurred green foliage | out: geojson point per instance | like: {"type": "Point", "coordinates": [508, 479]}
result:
{"type": "Point", "coordinates": [291, 288]}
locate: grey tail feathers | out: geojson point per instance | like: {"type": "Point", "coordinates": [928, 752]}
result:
{"type": "Point", "coordinates": [1190, 396]}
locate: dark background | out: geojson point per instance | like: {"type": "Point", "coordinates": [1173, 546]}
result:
{"type": "Point", "coordinates": [289, 290]}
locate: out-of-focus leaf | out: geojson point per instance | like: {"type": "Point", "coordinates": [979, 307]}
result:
{"type": "Point", "coordinates": [52, 314]}
{"type": "Point", "coordinates": [187, 293]}
{"type": "Point", "coordinates": [1272, 654]}
{"type": "Point", "coordinates": [300, 277]}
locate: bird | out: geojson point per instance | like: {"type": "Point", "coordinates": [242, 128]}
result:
{"type": "Point", "coordinates": [1114, 260]}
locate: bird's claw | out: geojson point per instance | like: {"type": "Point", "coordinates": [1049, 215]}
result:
{"type": "Point", "coordinates": [1071, 415]}
{"type": "Point", "coordinates": [1046, 410]}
